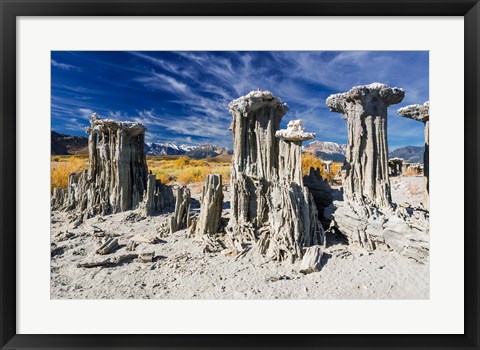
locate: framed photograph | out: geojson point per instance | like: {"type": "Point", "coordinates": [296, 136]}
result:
{"type": "Point", "coordinates": [225, 174]}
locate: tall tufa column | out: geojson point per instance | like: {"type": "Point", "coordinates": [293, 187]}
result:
{"type": "Point", "coordinates": [270, 206]}
{"type": "Point", "coordinates": [256, 118]}
{"type": "Point", "coordinates": [422, 114]}
{"type": "Point", "coordinates": [365, 109]}
{"type": "Point", "coordinates": [117, 163]}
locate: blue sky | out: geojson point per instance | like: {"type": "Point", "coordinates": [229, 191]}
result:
{"type": "Point", "coordinates": [182, 97]}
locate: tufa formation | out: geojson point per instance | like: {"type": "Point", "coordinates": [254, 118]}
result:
{"type": "Point", "coordinates": [116, 179]}
{"type": "Point", "coordinates": [367, 216]}
{"type": "Point", "coordinates": [270, 206]}
{"type": "Point", "coordinates": [365, 109]}
{"type": "Point", "coordinates": [210, 217]}
{"type": "Point", "coordinates": [422, 114]}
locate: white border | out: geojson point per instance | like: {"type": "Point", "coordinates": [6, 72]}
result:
{"type": "Point", "coordinates": [36, 313]}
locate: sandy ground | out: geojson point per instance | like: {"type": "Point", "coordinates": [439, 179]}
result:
{"type": "Point", "coordinates": [181, 270]}
{"type": "Point", "coordinates": [407, 189]}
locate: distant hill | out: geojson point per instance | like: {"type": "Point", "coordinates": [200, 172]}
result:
{"type": "Point", "coordinates": [411, 154]}
{"type": "Point", "coordinates": [66, 144]}
{"type": "Point", "coordinates": [326, 150]}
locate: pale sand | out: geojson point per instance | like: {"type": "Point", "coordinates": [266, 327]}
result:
{"type": "Point", "coordinates": [183, 271]}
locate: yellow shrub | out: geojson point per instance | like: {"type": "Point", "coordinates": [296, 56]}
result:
{"type": "Point", "coordinates": [310, 161]}
{"type": "Point", "coordinates": [167, 169]}
{"type": "Point", "coordinates": [193, 174]}
{"type": "Point", "coordinates": [224, 171]}
{"type": "Point", "coordinates": [198, 162]}
{"type": "Point", "coordinates": [62, 167]}
{"type": "Point", "coordinates": [335, 167]}
{"type": "Point", "coordinates": [186, 170]}
{"type": "Point", "coordinates": [181, 162]}
{"type": "Point", "coordinates": [412, 172]}
{"type": "Point", "coordinates": [171, 169]}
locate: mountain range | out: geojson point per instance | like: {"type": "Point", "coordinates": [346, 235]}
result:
{"type": "Point", "coordinates": [65, 144]}
{"type": "Point", "coordinates": [166, 149]}
{"type": "Point", "coordinates": [326, 150]}
{"type": "Point", "coordinates": [336, 152]}
{"type": "Point", "coordinates": [196, 152]}
{"type": "Point", "coordinates": [411, 154]}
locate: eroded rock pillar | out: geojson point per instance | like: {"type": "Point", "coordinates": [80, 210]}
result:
{"type": "Point", "coordinates": [422, 114]}
{"type": "Point", "coordinates": [156, 197]}
{"type": "Point", "coordinates": [116, 177]}
{"type": "Point", "coordinates": [365, 109]}
{"type": "Point", "coordinates": [210, 217]}
{"type": "Point", "coordinates": [180, 219]}
{"type": "Point", "coordinates": [117, 161]}
{"type": "Point", "coordinates": [396, 166]}
{"type": "Point", "coordinates": [270, 206]}
{"type": "Point", "coordinates": [256, 118]}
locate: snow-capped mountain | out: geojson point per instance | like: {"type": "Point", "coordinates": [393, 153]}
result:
{"type": "Point", "coordinates": [326, 150]}
{"type": "Point", "coordinates": [187, 148]}
{"type": "Point", "coordinates": [166, 149]}
{"type": "Point", "coordinates": [197, 152]}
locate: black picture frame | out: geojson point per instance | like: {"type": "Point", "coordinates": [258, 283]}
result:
{"type": "Point", "coordinates": [10, 10]}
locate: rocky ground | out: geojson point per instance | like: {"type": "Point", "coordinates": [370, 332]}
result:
{"type": "Point", "coordinates": [182, 270]}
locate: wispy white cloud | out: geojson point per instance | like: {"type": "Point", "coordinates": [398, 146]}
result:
{"type": "Point", "coordinates": [185, 127]}
{"type": "Point", "coordinates": [64, 66]}
{"type": "Point", "coordinates": [163, 82]}
{"type": "Point", "coordinates": [184, 95]}
{"type": "Point", "coordinates": [337, 71]}
{"type": "Point", "coordinates": [86, 113]}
